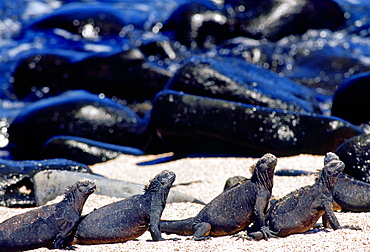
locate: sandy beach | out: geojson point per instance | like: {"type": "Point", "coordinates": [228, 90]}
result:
{"type": "Point", "coordinates": [208, 176]}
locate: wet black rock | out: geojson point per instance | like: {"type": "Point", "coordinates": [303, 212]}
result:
{"type": "Point", "coordinates": [197, 23]}
{"type": "Point", "coordinates": [324, 69]}
{"type": "Point", "coordinates": [41, 75]}
{"type": "Point", "coordinates": [275, 19]}
{"type": "Point", "coordinates": [90, 21]}
{"type": "Point", "coordinates": [126, 75]}
{"type": "Point", "coordinates": [85, 150]}
{"type": "Point", "coordinates": [351, 99]}
{"type": "Point", "coordinates": [258, 52]}
{"type": "Point", "coordinates": [239, 81]}
{"type": "Point", "coordinates": [355, 155]}
{"type": "Point", "coordinates": [190, 123]}
{"type": "Point", "coordinates": [158, 48]}
{"type": "Point", "coordinates": [16, 184]}
{"type": "Point", "coordinates": [75, 113]}
{"type": "Point", "coordinates": [319, 59]}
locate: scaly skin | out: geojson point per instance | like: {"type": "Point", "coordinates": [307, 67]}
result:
{"type": "Point", "coordinates": [129, 218]}
{"type": "Point", "coordinates": [47, 226]}
{"type": "Point", "coordinates": [298, 211]}
{"type": "Point", "coordinates": [234, 209]}
{"type": "Point", "coordinates": [349, 193]}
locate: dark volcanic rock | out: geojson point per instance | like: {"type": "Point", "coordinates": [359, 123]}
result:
{"type": "Point", "coordinates": [75, 113]}
{"type": "Point", "coordinates": [126, 75]}
{"type": "Point", "coordinates": [351, 99]}
{"type": "Point", "coordinates": [355, 155]}
{"type": "Point", "coordinates": [239, 81]}
{"type": "Point", "coordinates": [158, 47]}
{"type": "Point", "coordinates": [41, 75]}
{"type": "Point", "coordinates": [85, 150]}
{"type": "Point", "coordinates": [319, 59]}
{"type": "Point", "coordinates": [16, 185]}
{"type": "Point", "coordinates": [197, 23]}
{"type": "Point", "coordinates": [90, 21]}
{"type": "Point", "coordinates": [274, 19]}
{"type": "Point", "coordinates": [322, 68]}
{"type": "Point", "coordinates": [192, 123]}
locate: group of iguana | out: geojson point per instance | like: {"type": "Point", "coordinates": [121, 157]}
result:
{"type": "Point", "coordinates": [244, 206]}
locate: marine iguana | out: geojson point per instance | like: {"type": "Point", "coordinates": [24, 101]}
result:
{"type": "Point", "coordinates": [47, 226]}
{"type": "Point", "coordinates": [350, 193]}
{"type": "Point", "coordinates": [234, 209]}
{"type": "Point", "coordinates": [129, 218]}
{"type": "Point", "coordinates": [299, 210]}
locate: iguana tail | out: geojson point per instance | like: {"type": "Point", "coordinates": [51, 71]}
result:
{"type": "Point", "coordinates": [180, 227]}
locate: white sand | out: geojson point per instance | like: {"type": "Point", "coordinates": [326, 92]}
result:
{"type": "Point", "coordinates": [211, 174]}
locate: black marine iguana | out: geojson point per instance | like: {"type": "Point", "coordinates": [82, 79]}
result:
{"type": "Point", "coordinates": [350, 193]}
{"type": "Point", "coordinates": [129, 218]}
{"type": "Point", "coordinates": [47, 226]}
{"type": "Point", "coordinates": [298, 211]}
{"type": "Point", "coordinates": [234, 209]}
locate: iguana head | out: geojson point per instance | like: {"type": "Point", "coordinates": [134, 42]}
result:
{"type": "Point", "coordinates": [158, 189]}
{"type": "Point", "coordinates": [264, 170]}
{"type": "Point", "coordinates": [330, 156]}
{"type": "Point", "coordinates": [330, 172]}
{"type": "Point", "coordinates": [164, 179]}
{"type": "Point", "coordinates": [86, 186]}
{"type": "Point", "coordinates": [79, 192]}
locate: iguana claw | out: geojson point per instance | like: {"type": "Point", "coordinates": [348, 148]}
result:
{"type": "Point", "coordinates": [241, 236]}
{"type": "Point", "coordinates": [267, 233]}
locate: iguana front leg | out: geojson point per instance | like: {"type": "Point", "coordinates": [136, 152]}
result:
{"type": "Point", "coordinates": [259, 211]}
{"type": "Point", "coordinates": [155, 215]}
{"type": "Point", "coordinates": [325, 221]}
{"type": "Point", "coordinates": [201, 231]}
{"type": "Point", "coordinates": [329, 216]}
{"type": "Point", "coordinates": [260, 228]}
{"type": "Point", "coordinates": [65, 229]}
